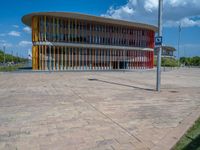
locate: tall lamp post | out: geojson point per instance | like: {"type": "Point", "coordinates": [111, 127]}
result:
{"type": "Point", "coordinates": [12, 57]}
{"type": "Point", "coordinates": [160, 46]}
{"type": "Point", "coordinates": [179, 37]}
{"type": "Point", "coordinates": [4, 58]}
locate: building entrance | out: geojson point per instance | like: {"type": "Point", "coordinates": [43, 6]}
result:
{"type": "Point", "coordinates": [122, 65]}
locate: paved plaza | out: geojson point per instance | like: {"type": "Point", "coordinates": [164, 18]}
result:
{"type": "Point", "coordinates": [96, 110]}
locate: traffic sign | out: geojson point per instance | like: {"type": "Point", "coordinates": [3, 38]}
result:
{"type": "Point", "coordinates": [158, 41]}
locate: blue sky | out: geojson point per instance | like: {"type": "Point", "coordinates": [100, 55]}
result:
{"type": "Point", "coordinates": [17, 37]}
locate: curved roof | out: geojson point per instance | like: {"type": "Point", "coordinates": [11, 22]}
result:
{"type": "Point", "coordinates": [27, 19]}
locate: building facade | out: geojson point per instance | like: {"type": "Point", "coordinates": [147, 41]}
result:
{"type": "Point", "coordinates": [167, 52]}
{"type": "Point", "coordinates": [72, 41]}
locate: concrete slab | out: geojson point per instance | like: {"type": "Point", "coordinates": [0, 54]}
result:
{"type": "Point", "coordinates": [97, 110]}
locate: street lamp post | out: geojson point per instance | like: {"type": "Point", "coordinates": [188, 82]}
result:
{"type": "Point", "coordinates": [4, 58]}
{"type": "Point", "coordinates": [17, 60]}
{"type": "Point", "coordinates": [12, 57]}
{"type": "Point", "coordinates": [179, 37]}
{"type": "Point", "coordinates": [158, 81]}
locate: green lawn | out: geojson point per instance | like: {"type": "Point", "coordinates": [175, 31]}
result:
{"type": "Point", "coordinates": [10, 68]}
{"type": "Point", "coordinates": [191, 140]}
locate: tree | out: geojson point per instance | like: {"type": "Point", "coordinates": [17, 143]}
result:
{"type": "Point", "coordinates": [190, 61]}
{"type": "Point", "coordinates": [10, 58]}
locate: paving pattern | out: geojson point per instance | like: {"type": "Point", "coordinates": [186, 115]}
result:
{"type": "Point", "coordinates": [96, 110]}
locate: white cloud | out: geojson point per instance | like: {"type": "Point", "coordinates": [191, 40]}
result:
{"type": "Point", "coordinates": [174, 12]}
{"type": "Point", "coordinates": [25, 43]}
{"type": "Point", "coordinates": [127, 10]}
{"type": "Point", "coordinates": [5, 43]}
{"type": "Point", "coordinates": [14, 33]}
{"type": "Point", "coordinates": [119, 13]}
{"type": "Point", "coordinates": [15, 26]}
{"type": "Point", "coordinates": [27, 30]}
{"type": "Point", "coordinates": [185, 22]}
{"type": "Point", "coordinates": [150, 5]}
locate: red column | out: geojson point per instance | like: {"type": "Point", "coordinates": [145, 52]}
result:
{"type": "Point", "coordinates": [145, 60]}
{"type": "Point", "coordinates": [132, 59]}
{"type": "Point", "coordinates": [149, 59]}
{"type": "Point", "coordinates": [152, 59]}
{"type": "Point", "coordinates": [137, 59]}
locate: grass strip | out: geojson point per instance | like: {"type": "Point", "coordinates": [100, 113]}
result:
{"type": "Point", "coordinates": [191, 140]}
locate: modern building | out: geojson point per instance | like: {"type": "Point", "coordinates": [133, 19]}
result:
{"type": "Point", "coordinates": [73, 41]}
{"type": "Point", "coordinates": [167, 52]}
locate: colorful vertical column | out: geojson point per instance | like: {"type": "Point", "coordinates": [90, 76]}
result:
{"type": "Point", "coordinates": [34, 57]}
{"type": "Point", "coordinates": [35, 29]}
{"type": "Point", "coordinates": [45, 29]}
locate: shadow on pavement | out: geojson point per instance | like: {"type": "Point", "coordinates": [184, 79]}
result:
{"type": "Point", "coordinates": [109, 82]}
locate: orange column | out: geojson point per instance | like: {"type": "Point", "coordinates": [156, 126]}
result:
{"type": "Point", "coordinates": [35, 27]}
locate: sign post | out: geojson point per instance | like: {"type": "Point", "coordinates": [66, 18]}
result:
{"type": "Point", "coordinates": [159, 42]}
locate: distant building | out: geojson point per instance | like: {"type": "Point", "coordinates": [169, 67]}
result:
{"type": "Point", "coordinates": [72, 41]}
{"type": "Point", "coordinates": [167, 52]}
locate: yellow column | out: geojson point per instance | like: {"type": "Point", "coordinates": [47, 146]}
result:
{"type": "Point", "coordinates": [39, 58]}
{"type": "Point", "coordinates": [35, 57]}
{"type": "Point", "coordinates": [35, 29]}
{"type": "Point", "coordinates": [45, 57]}
{"type": "Point", "coordinates": [39, 36]}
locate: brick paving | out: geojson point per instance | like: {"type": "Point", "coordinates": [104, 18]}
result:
{"type": "Point", "coordinates": [96, 110]}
